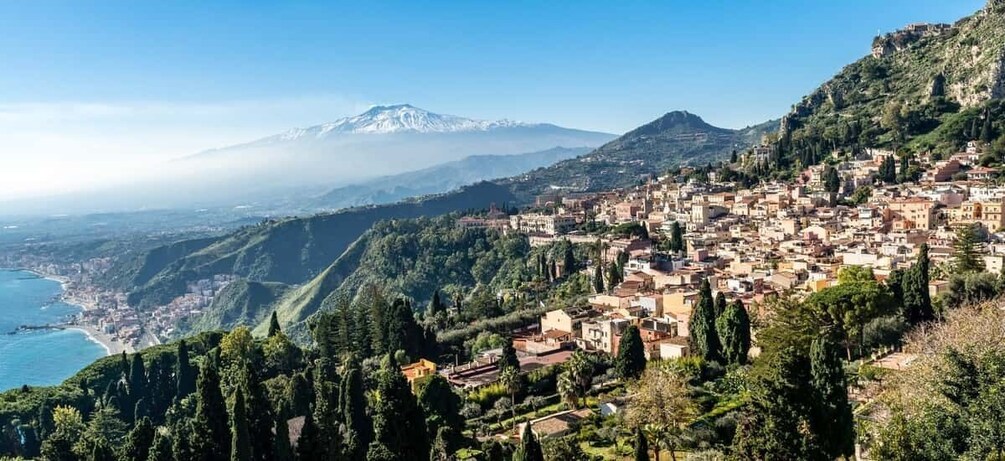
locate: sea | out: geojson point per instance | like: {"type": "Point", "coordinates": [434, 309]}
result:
{"type": "Point", "coordinates": [39, 357]}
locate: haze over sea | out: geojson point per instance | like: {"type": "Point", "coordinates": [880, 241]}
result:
{"type": "Point", "coordinates": [41, 357]}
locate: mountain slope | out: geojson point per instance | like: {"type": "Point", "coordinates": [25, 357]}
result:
{"type": "Point", "coordinates": [241, 302]}
{"type": "Point", "coordinates": [677, 138]}
{"type": "Point", "coordinates": [294, 251]}
{"type": "Point", "coordinates": [385, 140]}
{"type": "Point", "coordinates": [916, 80]}
{"type": "Point", "coordinates": [443, 178]}
{"type": "Point", "coordinates": [288, 251]}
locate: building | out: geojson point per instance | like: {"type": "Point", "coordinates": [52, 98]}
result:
{"type": "Point", "coordinates": [534, 223]}
{"type": "Point", "coordinates": [418, 370]}
{"type": "Point", "coordinates": [915, 212]}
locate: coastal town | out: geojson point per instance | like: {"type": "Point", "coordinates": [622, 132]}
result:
{"type": "Point", "coordinates": [751, 243]}
{"type": "Point", "coordinates": [767, 241]}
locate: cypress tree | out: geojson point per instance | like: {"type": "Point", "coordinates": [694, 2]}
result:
{"type": "Point", "coordinates": [139, 441]}
{"type": "Point", "coordinates": [282, 451]}
{"type": "Point", "coordinates": [703, 336]}
{"type": "Point", "coordinates": [160, 448]}
{"type": "Point", "coordinates": [720, 304]}
{"type": "Point", "coordinates": [274, 327]}
{"type": "Point", "coordinates": [326, 415]}
{"type": "Point", "coordinates": [832, 421]}
{"type": "Point", "coordinates": [641, 446]}
{"type": "Point", "coordinates": [259, 415]}
{"type": "Point", "coordinates": [631, 359]}
{"type": "Point", "coordinates": [436, 305]}
{"type": "Point", "coordinates": [568, 262]}
{"type": "Point", "coordinates": [240, 436]}
{"type": "Point", "coordinates": [137, 378]}
{"type": "Point", "coordinates": [530, 448]}
{"type": "Point", "coordinates": [734, 331]}
{"type": "Point", "coordinates": [987, 130]}
{"type": "Point", "coordinates": [676, 238]}
{"type": "Point", "coordinates": [359, 430]}
{"type": "Point", "coordinates": [917, 302]}
{"type": "Point", "coordinates": [402, 332]}
{"type": "Point", "coordinates": [212, 429]}
{"type": "Point", "coordinates": [309, 443]}
{"type": "Point", "coordinates": [771, 426]}
{"type": "Point", "coordinates": [184, 373]}
{"type": "Point", "coordinates": [508, 358]}
{"type": "Point", "coordinates": [613, 277]}
{"type": "Point", "coordinates": [598, 279]}
{"type": "Point", "coordinates": [441, 407]}
{"type": "Point", "coordinates": [399, 426]}
{"type": "Point", "coordinates": [101, 452]}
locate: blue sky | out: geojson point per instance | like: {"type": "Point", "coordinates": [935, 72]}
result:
{"type": "Point", "coordinates": [101, 84]}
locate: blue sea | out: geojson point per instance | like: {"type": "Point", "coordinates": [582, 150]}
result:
{"type": "Point", "coordinates": [42, 357]}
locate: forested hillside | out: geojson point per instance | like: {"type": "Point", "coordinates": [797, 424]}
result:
{"type": "Point", "coordinates": [290, 251]}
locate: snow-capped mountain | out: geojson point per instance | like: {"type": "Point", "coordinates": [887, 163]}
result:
{"type": "Point", "coordinates": [402, 118]}
{"type": "Point", "coordinates": [383, 141]}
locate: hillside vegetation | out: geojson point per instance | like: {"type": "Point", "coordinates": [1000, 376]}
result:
{"type": "Point", "coordinates": [289, 251]}
{"type": "Point", "coordinates": [919, 83]}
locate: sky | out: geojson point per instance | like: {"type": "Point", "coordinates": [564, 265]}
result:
{"type": "Point", "coordinates": [95, 91]}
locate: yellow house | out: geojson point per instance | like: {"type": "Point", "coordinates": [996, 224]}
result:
{"type": "Point", "coordinates": [418, 370]}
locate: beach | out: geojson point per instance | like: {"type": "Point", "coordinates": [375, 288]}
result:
{"type": "Point", "coordinates": [113, 346]}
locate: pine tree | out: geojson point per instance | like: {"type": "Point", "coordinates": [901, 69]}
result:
{"type": "Point", "coordinates": [832, 420]}
{"type": "Point", "coordinates": [720, 304]}
{"type": "Point", "coordinates": [631, 359]}
{"type": "Point", "coordinates": [184, 373]}
{"type": "Point", "coordinates": [240, 437]}
{"type": "Point", "coordinates": [212, 429]}
{"type": "Point", "coordinates": [703, 336]}
{"type": "Point", "coordinates": [641, 446]}
{"type": "Point", "coordinates": [733, 327]}
{"type": "Point", "coordinates": [274, 327]}
{"type": "Point", "coordinates": [598, 279]}
{"type": "Point", "coordinates": [917, 302]}
{"type": "Point", "coordinates": [399, 426]}
{"type": "Point", "coordinates": [966, 257]}
{"type": "Point", "coordinates": [530, 448]}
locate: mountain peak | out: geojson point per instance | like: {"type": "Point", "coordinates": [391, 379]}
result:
{"type": "Point", "coordinates": [678, 121]}
{"type": "Point", "coordinates": [399, 118]}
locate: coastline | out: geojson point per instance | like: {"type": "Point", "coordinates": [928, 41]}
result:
{"type": "Point", "coordinates": [112, 347]}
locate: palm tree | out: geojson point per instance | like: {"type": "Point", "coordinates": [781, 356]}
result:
{"type": "Point", "coordinates": [511, 380]}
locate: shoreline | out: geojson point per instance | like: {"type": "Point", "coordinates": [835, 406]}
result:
{"type": "Point", "coordinates": [112, 347]}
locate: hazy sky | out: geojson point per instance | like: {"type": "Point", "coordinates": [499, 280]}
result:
{"type": "Point", "coordinates": [92, 91]}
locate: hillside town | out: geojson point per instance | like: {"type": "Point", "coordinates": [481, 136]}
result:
{"type": "Point", "coordinates": [771, 240]}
